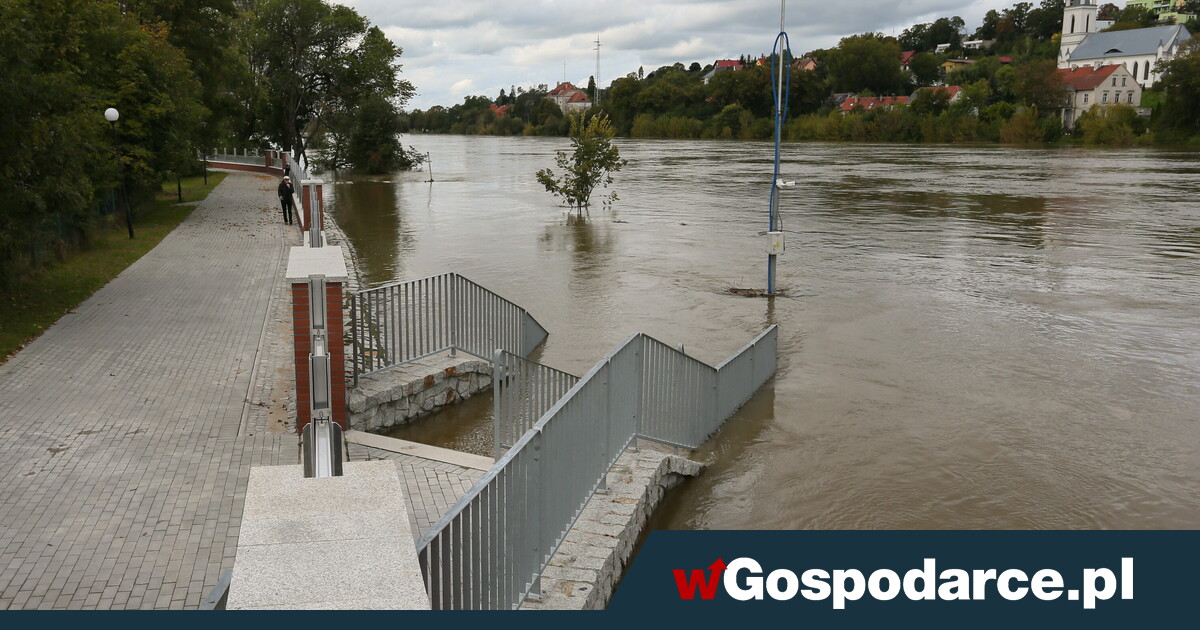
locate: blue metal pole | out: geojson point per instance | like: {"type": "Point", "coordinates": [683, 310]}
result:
{"type": "Point", "coordinates": [771, 258]}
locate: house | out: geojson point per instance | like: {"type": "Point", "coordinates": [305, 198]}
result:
{"type": "Point", "coordinates": [953, 91]}
{"type": "Point", "coordinates": [950, 65]}
{"type": "Point", "coordinates": [499, 110]}
{"type": "Point", "coordinates": [906, 58]}
{"type": "Point", "coordinates": [1090, 86]}
{"type": "Point", "coordinates": [569, 98]}
{"type": "Point", "coordinates": [1139, 50]}
{"type": "Point", "coordinates": [805, 64]}
{"type": "Point", "coordinates": [1166, 10]}
{"type": "Point", "coordinates": [868, 103]}
{"type": "Point", "coordinates": [978, 44]}
{"type": "Point", "coordinates": [721, 65]}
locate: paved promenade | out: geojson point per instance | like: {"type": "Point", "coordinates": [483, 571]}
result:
{"type": "Point", "coordinates": [128, 429]}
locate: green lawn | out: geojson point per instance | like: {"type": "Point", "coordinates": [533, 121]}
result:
{"type": "Point", "coordinates": [38, 300]}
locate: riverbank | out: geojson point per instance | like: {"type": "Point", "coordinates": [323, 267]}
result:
{"type": "Point", "coordinates": [1002, 127]}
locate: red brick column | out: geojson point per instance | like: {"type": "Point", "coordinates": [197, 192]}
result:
{"type": "Point", "coordinates": [302, 343]}
{"type": "Point", "coordinates": [336, 347]}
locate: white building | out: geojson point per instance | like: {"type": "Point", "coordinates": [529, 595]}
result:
{"type": "Point", "coordinates": [1089, 87]}
{"type": "Point", "coordinates": [1139, 50]}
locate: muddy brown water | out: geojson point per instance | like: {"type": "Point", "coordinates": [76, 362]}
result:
{"type": "Point", "coordinates": [973, 337]}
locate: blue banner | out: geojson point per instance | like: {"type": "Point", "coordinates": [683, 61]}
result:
{"type": "Point", "coordinates": [963, 577]}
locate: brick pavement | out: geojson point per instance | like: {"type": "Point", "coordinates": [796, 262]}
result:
{"type": "Point", "coordinates": [127, 430]}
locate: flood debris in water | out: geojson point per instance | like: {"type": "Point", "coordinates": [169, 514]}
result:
{"type": "Point", "coordinates": [755, 292]}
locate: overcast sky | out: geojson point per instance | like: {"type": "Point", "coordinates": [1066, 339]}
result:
{"type": "Point", "coordinates": [457, 48]}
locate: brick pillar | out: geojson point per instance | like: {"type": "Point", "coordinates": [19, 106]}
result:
{"type": "Point", "coordinates": [306, 204]}
{"type": "Point", "coordinates": [302, 343]}
{"type": "Point", "coordinates": [337, 353]}
{"type": "Point", "coordinates": [267, 155]}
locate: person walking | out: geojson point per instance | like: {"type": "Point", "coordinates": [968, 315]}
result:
{"type": "Point", "coordinates": [285, 197]}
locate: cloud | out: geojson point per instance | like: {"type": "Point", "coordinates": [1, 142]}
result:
{"type": "Point", "coordinates": [454, 49]}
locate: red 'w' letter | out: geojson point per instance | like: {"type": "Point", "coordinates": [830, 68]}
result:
{"type": "Point", "coordinates": [708, 589]}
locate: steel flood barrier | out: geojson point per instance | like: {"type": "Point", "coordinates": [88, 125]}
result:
{"type": "Point", "coordinates": [402, 322]}
{"type": "Point", "coordinates": [489, 550]}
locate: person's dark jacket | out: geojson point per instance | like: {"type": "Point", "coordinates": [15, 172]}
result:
{"type": "Point", "coordinates": [285, 192]}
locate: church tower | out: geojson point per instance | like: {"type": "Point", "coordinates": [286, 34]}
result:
{"type": "Point", "coordinates": [1079, 19]}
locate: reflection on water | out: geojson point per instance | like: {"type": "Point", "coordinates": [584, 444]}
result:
{"type": "Point", "coordinates": [972, 338]}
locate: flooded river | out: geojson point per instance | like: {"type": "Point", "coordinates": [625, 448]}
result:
{"type": "Point", "coordinates": [972, 337]}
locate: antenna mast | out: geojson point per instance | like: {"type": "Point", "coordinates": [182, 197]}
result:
{"type": "Point", "coordinates": [596, 96]}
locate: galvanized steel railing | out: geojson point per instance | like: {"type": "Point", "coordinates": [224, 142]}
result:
{"type": "Point", "coordinates": [489, 551]}
{"type": "Point", "coordinates": [522, 391]}
{"type": "Point", "coordinates": [684, 400]}
{"type": "Point", "coordinates": [246, 156]}
{"type": "Point", "coordinates": [400, 323]}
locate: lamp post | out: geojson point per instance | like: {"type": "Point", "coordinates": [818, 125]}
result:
{"type": "Point", "coordinates": [111, 115]}
{"type": "Point", "coordinates": [204, 134]}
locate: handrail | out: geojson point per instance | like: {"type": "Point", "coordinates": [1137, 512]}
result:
{"type": "Point", "coordinates": [401, 322]}
{"type": "Point", "coordinates": [490, 549]}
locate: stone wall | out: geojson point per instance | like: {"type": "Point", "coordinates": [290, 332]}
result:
{"type": "Point", "coordinates": [589, 563]}
{"type": "Point", "coordinates": [402, 394]}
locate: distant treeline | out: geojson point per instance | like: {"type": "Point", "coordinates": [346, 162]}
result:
{"type": "Point", "coordinates": [1011, 93]}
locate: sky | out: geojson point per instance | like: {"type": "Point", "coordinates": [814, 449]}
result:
{"type": "Point", "coordinates": [457, 48]}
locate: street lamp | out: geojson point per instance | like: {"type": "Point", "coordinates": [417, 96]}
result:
{"type": "Point", "coordinates": [111, 115]}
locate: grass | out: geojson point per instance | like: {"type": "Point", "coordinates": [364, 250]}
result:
{"type": "Point", "coordinates": [40, 299]}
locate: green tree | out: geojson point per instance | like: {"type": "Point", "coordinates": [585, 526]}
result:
{"type": "Point", "coordinates": [1038, 84]}
{"type": "Point", "coordinates": [1181, 81]}
{"type": "Point", "coordinates": [1111, 125]}
{"type": "Point", "coordinates": [591, 162]}
{"type": "Point", "coordinates": [866, 62]}
{"type": "Point", "coordinates": [64, 62]}
{"type": "Point", "coordinates": [924, 67]}
{"type": "Point", "coordinates": [930, 102]}
{"type": "Point", "coordinates": [305, 47]}
{"type": "Point", "coordinates": [991, 22]}
{"type": "Point", "coordinates": [1134, 17]}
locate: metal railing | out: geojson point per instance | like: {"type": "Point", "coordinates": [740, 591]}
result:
{"type": "Point", "coordinates": [489, 550]}
{"type": "Point", "coordinates": [402, 322]}
{"type": "Point", "coordinates": [684, 400]}
{"type": "Point", "coordinates": [237, 156]}
{"type": "Point", "coordinates": [522, 391]}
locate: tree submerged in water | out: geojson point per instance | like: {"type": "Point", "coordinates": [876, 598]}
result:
{"type": "Point", "coordinates": [592, 163]}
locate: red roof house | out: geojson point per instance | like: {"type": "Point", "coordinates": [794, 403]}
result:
{"type": "Point", "coordinates": [1088, 86]}
{"type": "Point", "coordinates": [868, 103]}
{"type": "Point", "coordinates": [1086, 78]}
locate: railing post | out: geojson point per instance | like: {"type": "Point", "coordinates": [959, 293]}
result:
{"type": "Point", "coordinates": [608, 412]}
{"type": "Point", "coordinates": [354, 324]}
{"type": "Point", "coordinates": [454, 316]}
{"type": "Point", "coordinates": [640, 372]}
{"type": "Point", "coordinates": [539, 511]}
{"type": "Point", "coordinates": [497, 396]}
